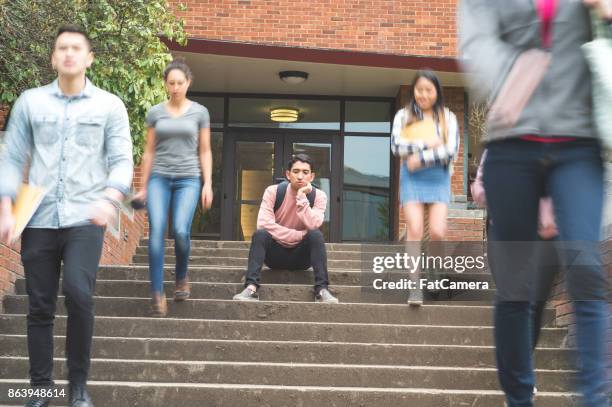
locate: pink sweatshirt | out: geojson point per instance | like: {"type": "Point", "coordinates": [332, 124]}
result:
{"type": "Point", "coordinates": [294, 218]}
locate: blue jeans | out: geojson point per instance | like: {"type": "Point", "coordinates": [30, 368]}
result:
{"type": "Point", "coordinates": [183, 194]}
{"type": "Point", "coordinates": [516, 174]}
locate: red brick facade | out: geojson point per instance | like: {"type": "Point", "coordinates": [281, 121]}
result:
{"type": "Point", "coordinates": [10, 269]}
{"type": "Point", "coordinates": [402, 27]}
{"type": "Point", "coordinates": [119, 247]}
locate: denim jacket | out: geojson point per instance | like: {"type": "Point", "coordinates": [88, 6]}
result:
{"type": "Point", "coordinates": [76, 146]}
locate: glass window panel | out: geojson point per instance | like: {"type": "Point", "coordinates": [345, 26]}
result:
{"type": "Point", "coordinates": [320, 153]}
{"type": "Point", "coordinates": [313, 114]}
{"type": "Point", "coordinates": [254, 172]}
{"type": "Point", "coordinates": [366, 188]}
{"type": "Point", "coordinates": [368, 117]}
{"type": "Point", "coordinates": [208, 223]}
{"type": "Point", "coordinates": [215, 106]}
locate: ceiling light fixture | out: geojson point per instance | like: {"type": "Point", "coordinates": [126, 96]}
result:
{"type": "Point", "coordinates": [284, 114]}
{"type": "Point", "coordinates": [293, 77]}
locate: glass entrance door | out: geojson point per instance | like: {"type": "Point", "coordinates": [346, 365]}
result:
{"type": "Point", "coordinates": [320, 151]}
{"type": "Point", "coordinates": [257, 160]}
{"type": "Point", "coordinates": [254, 173]}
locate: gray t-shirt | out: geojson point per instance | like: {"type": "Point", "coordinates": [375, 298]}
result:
{"type": "Point", "coordinates": [177, 139]}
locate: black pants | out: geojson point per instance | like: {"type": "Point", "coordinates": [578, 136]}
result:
{"type": "Point", "coordinates": [516, 175]}
{"type": "Point", "coordinates": [310, 252]}
{"type": "Point", "coordinates": [549, 266]}
{"type": "Point", "coordinates": [42, 253]}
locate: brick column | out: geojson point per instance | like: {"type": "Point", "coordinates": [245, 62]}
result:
{"type": "Point", "coordinates": [120, 243]}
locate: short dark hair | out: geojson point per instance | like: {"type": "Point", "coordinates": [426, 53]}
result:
{"type": "Point", "coordinates": [180, 64]}
{"type": "Point", "coordinates": [71, 28]}
{"type": "Point", "coordinates": [303, 158]}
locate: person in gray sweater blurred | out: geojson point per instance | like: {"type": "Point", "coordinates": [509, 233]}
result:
{"type": "Point", "coordinates": [525, 57]}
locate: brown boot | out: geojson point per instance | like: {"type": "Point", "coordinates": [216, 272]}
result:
{"type": "Point", "coordinates": [159, 305]}
{"type": "Point", "coordinates": [181, 290]}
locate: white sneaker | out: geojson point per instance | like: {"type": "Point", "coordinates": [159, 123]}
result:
{"type": "Point", "coordinates": [326, 297]}
{"type": "Point", "coordinates": [246, 295]}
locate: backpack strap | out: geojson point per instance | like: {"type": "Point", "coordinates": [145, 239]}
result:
{"type": "Point", "coordinates": [311, 196]}
{"type": "Point", "coordinates": [281, 191]}
{"type": "Point", "coordinates": [280, 194]}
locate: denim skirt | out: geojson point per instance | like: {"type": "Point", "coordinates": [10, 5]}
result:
{"type": "Point", "coordinates": [426, 185]}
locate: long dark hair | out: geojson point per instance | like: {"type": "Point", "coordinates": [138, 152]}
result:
{"type": "Point", "coordinates": [415, 113]}
{"type": "Point", "coordinates": [180, 64]}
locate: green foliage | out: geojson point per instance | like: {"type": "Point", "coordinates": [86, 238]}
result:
{"type": "Point", "coordinates": [129, 54]}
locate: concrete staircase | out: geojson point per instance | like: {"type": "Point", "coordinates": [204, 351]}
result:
{"type": "Point", "coordinates": [285, 350]}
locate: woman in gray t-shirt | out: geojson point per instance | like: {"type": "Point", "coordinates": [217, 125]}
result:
{"type": "Point", "coordinates": [176, 152]}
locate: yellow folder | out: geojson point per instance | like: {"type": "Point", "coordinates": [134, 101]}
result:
{"type": "Point", "coordinates": [28, 200]}
{"type": "Point", "coordinates": [420, 131]}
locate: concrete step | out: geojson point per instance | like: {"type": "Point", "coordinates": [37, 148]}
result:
{"type": "Point", "coordinates": [358, 263]}
{"type": "Point", "coordinates": [243, 253]}
{"type": "Point", "coordinates": [112, 394]}
{"type": "Point", "coordinates": [214, 274]}
{"type": "Point", "coordinates": [279, 292]}
{"type": "Point", "coordinates": [291, 374]}
{"type": "Point", "coordinates": [217, 329]}
{"type": "Point", "coordinates": [290, 352]}
{"type": "Point", "coordinates": [365, 253]}
{"type": "Point", "coordinates": [226, 244]}
{"type": "Point", "coordinates": [355, 264]}
{"type": "Point", "coordinates": [286, 311]}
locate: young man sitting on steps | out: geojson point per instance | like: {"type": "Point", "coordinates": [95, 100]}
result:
{"type": "Point", "coordinates": [288, 235]}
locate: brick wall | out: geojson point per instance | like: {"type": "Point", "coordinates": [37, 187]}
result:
{"type": "Point", "coordinates": [454, 98]}
{"type": "Point", "coordinates": [466, 228]}
{"type": "Point", "coordinates": [143, 218]}
{"type": "Point", "coordinates": [403, 27]}
{"type": "Point", "coordinates": [10, 269]}
{"type": "Point", "coordinates": [120, 245]}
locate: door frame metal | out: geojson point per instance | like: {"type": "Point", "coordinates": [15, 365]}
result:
{"type": "Point", "coordinates": [283, 140]}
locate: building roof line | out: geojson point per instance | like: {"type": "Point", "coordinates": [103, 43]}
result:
{"type": "Point", "coordinates": [316, 55]}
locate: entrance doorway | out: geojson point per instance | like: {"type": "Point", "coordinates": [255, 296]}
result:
{"type": "Point", "coordinates": [348, 139]}
{"type": "Point", "coordinates": [255, 159]}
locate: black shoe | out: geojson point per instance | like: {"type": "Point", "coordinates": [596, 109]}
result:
{"type": "Point", "coordinates": [38, 402]}
{"type": "Point", "coordinates": [79, 396]}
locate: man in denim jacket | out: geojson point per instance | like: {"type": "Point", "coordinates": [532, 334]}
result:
{"type": "Point", "coordinates": [77, 141]}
